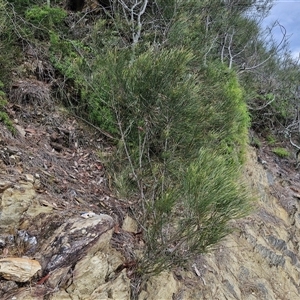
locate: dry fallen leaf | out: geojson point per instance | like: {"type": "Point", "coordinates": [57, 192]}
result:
{"type": "Point", "coordinates": [296, 196]}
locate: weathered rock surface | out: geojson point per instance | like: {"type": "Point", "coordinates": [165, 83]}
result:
{"type": "Point", "coordinates": [163, 286]}
{"type": "Point", "coordinates": [118, 288]}
{"type": "Point", "coordinates": [73, 239]}
{"type": "Point", "coordinates": [19, 199]}
{"type": "Point", "coordinates": [14, 202]}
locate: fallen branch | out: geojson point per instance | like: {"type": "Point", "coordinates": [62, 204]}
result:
{"type": "Point", "coordinates": [96, 127]}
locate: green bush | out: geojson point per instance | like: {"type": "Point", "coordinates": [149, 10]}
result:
{"type": "Point", "coordinates": [65, 57]}
{"type": "Point", "coordinates": [194, 216]}
{"type": "Point", "coordinates": [158, 95]}
{"type": "Point", "coordinates": [163, 113]}
{"type": "Point", "coordinates": [45, 16]}
{"type": "Point", "coordinates": [20, 6]}
{"type": "Point", "coordinates": [43, 19]}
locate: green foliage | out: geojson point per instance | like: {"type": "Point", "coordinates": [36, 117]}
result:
{"type": "Point", "coordinates": [64, 54]}
{"type": "Point", "coordinates": [4, 118]}
{"type": "Point", "coordinates": [281, 152]}
{"type": "Point", "coordinates": [148, 92]}
{"type": "Point", "coordinates": [158, 93]}
{"type": "Point", "coordinates": [167, 8]}
{"type": "Point", "coordinates": [3, 17]}
{"type": "Point", "coordinates": [21, 6]}
{"type": "Point", "coordinates": [42, 19]}
{"type": "Point", "coordinates": [164, 113]}
{"type": "Point", "coordinates": [45, 16]}
{"type": "Point", "coordinates": [271, 139]}
{"type": "Point", "coordinates": [194, 216]}
{"type": "Point", "coordinates": [231, 114]}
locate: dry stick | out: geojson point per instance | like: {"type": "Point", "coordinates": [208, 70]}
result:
{"type": "Point", "coordinates": [139, 182]}
{"type": "Point", "coordinates": [283, 31]}
{"type": "Point", "coordinates": [97, 128]}
{"type": "Point", "coordinates": [298, 151]}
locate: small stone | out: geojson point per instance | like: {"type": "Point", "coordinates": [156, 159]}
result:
{"type": "Point", "coordinates": [2, 242]}
{"type": "Point", "coordinates": [5, 185]}
{"type": "Point", "coordinates": [87, 215]}
{"type": "Point", "coordinates": [21, 130]}
{"type": "Point", "coordinates": [37, 184]}
{"type": "Point", "coordinates": [129, 224]}
{"type": "Point", "coordinates": [29, 178]}
{"type": "Point", "coordinates": [18, 269]}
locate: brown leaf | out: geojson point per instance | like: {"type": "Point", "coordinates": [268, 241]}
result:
{"type": "Point", "coordinates": [30, 130]}
{"type": "Point", "coordinates": [117, 229]}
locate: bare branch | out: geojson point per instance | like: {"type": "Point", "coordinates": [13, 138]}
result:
{"type": "Point", "coordinates": [283, 31]}
{"type": "Point", "coordinates": [262, 107]}
{"type": "Point", "coordinates": [292, 143]}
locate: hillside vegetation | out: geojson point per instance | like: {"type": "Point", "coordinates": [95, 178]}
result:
{"type": "Point", "coordinates": [173, 86]}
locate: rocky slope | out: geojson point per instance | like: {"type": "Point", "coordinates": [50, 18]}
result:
{"type": "Point", "coordinates": [65, 235]}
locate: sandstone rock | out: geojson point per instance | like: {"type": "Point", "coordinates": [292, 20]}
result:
{"type": "Point", "coordinates": [95, 269]}
{"type": "Point", "coordinates": [18, 269]}
{"type": "Point", "coordinates": [58, 278]}
{"type": "Point", "coordinates": [36, 208]}
{"type": "Point", "coordinates": [85, 243]}
{"type": "Point", "coordinates": [15, 201]}
{"type": "Point", "coordinates": [129, 224]}
{"type": "Point", "coordinates": [21, 130]}
{"type": "Point", "coordinates": [163, 286]}
{"type": "Point", "coordinates": [29, 178]}
{"type": "Point", "coordinates": [27, 293]}
{"type": "Point", "coordinates": [61, 295]}
{"type": "Point", "coordinates": [116, 289]}
{"type": "Point", "coordinates": [5, 185]}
